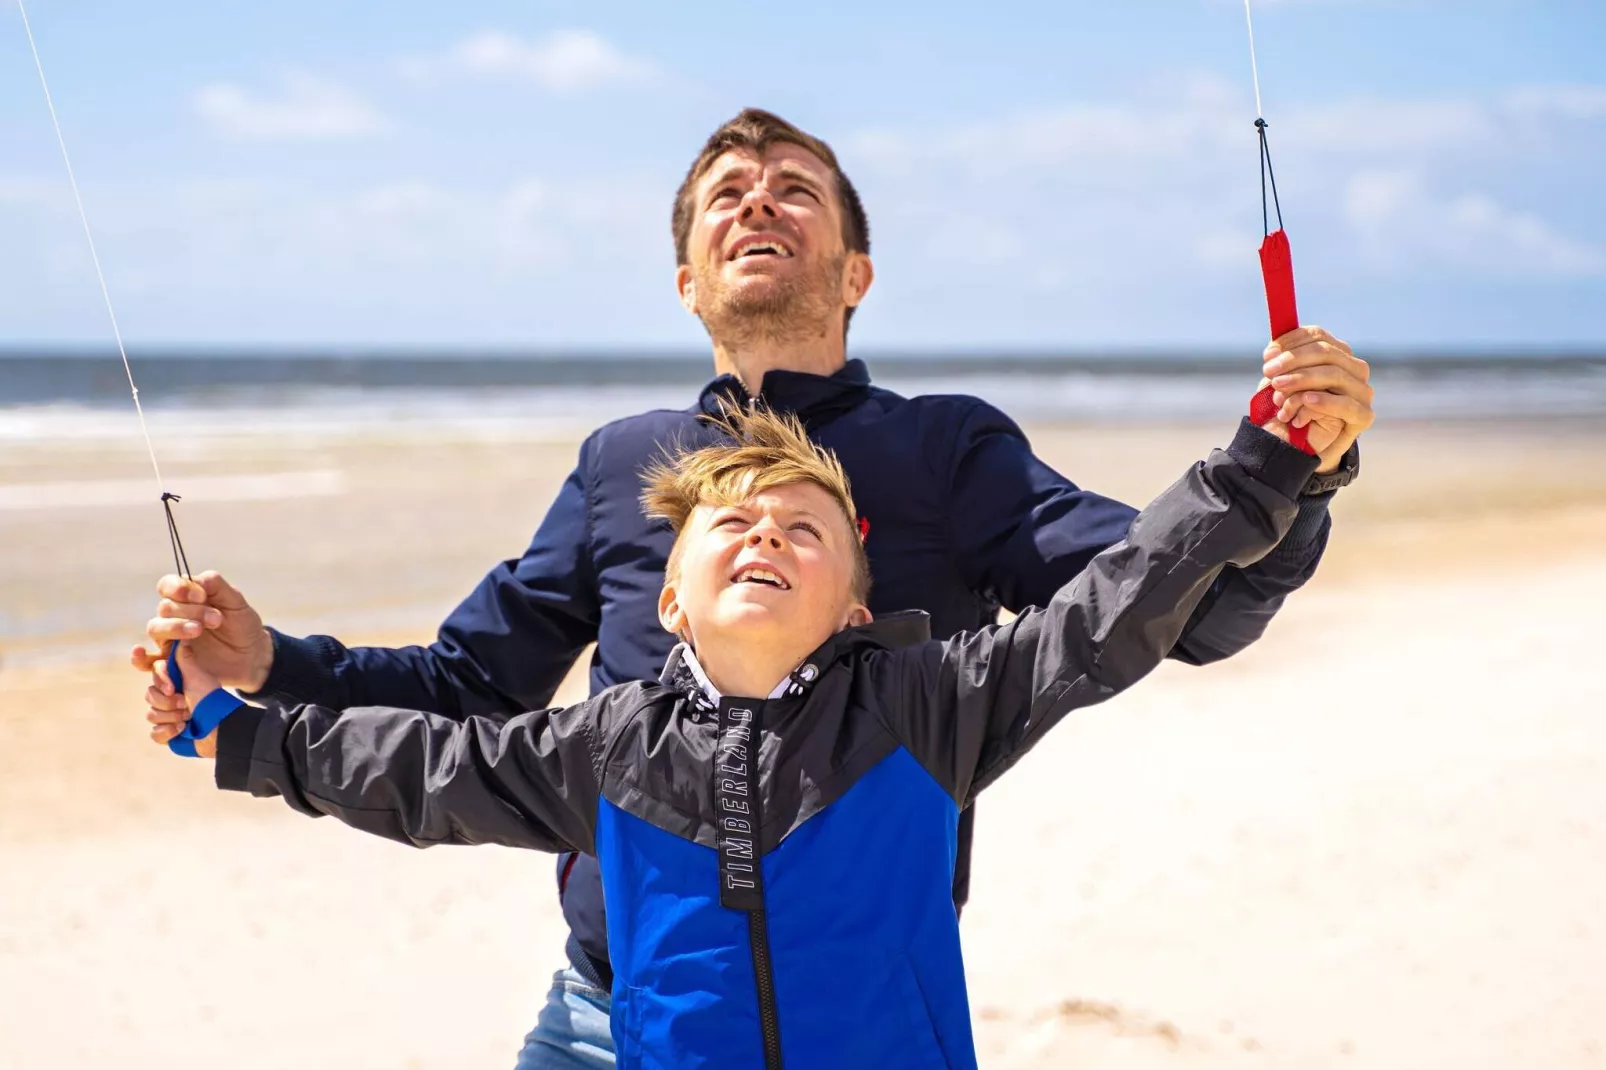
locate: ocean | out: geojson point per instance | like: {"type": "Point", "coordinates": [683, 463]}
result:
{"type": "Point", "coordinates": [85, 395]}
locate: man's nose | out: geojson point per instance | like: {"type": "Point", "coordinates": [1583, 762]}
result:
{"type": "Point", "coordinates": [758, 205]}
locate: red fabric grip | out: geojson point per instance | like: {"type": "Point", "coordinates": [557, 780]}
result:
{"type": "Point", "coordinates": [1277, 268]}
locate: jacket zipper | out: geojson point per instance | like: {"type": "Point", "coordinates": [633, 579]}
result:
{"type": "Point", "coordinates": [741, 875]}
{"type": "Point", "coordinates": [769, 1017]}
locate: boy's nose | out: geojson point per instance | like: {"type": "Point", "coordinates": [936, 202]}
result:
{"type": "Point", "coordinates": [760, 537]}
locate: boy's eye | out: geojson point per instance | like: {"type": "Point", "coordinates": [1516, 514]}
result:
{"type": "Point", "coordinates": [810, 528]}
{"type": "Point", "coordinates": [727, 521]}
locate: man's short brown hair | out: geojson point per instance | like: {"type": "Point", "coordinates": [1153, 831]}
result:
{"type": "Point", "coordinates": [755, 130]}
{"type": "Point", "coordinates": [766, 450]}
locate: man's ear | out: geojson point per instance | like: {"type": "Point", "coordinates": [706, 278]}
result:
{"type": "Point", "coordinates": [857, 275]}
{"type": "Point", "coordinates": [686, 286]}
{"type": "Point", "coordinates": [670, 615]}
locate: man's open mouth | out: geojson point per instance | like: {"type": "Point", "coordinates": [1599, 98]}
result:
{"type": "Point", "coordinates": [749, 247]}
{"type": "Point", "coordinates": [761, 576]}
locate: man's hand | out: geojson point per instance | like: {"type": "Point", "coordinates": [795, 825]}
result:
{"type": "Point", "coordinates": [169, 712]}
{"type": "Point", "coordinates": [216, 624]}
{"type": "Point", "coordinates": [1321, 384]}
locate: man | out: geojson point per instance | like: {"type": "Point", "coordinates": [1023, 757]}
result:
{"type": "Point", "coordinates": [772, 248]}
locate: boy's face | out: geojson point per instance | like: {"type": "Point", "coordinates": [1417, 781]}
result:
{"type": "Point", "coordinates": [774, 573]}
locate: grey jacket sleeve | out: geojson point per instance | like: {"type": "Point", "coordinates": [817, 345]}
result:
{"type": "Point", "coordinates": [970, 708]}
{"type": "Point", "coordinates": [424, 779]}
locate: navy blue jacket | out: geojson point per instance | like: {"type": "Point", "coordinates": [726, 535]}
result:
{"type": "Point", "coordinates": [780, 869]}
{"type": "Point", "coordinates": [963, 520]}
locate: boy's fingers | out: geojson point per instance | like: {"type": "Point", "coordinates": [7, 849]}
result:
{"type": "Point", "coordinates": [161, 679]}
{"type": "Point", "coordinates": [162, 698]}
{"type": "Point", "coordinates": [143, 659]}
{"type": "Point", "coordinates": [162, 734]}
{"type": "Point", "coordinates": [167, 717]}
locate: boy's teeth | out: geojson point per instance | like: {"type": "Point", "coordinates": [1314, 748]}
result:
{"type": "Point", "coordinates": [760, 575]}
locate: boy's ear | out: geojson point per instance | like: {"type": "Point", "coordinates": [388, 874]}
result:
{"type": "Point", "coordinates": [670, 615]}
{"type": "Point", "coordinates": [856, 616]}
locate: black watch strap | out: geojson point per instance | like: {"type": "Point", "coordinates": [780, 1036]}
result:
{"type": "Point", "coordinates": [1349, 466]}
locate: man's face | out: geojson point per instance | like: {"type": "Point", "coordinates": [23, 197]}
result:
{"type": "Point", "coordinates": [774, 572]}
{"type": "Point", "coordinates": [765, 248]}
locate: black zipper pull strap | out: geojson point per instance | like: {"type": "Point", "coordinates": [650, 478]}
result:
{"type": "Point", "coordinates": [741, 881]}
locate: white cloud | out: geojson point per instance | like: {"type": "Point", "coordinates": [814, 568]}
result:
{"type": "Point", "coordinates": [308, 108]}
{"type": "Point", "coordinates": [1401, 219]}
{"type": "Point", "coordinates": [1167, 183]}
{"type": "Point", "coordinates": [565, 61]}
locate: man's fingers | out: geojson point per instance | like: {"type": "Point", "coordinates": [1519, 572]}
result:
{"type": "Point", "coordinates": [219, 592]}
{"type": "Point", "coordinates": [162, 631]}
{"type": "Point", "coordinates": [206, 615]}
{"type": "Point", "coordinates": [180, 589]}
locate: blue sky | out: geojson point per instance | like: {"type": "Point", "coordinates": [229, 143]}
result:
{"type": "Point", "coordinates": [1061, 175]}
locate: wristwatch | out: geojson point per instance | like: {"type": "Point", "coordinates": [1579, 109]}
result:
{"type": "Point", "coordinates": [1349, 466]}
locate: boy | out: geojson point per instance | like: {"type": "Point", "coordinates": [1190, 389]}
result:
{"type": "Point", "coordinates": [778, 866]}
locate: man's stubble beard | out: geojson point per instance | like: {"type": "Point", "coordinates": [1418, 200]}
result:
{"type": "Point", "coordinates": [795, 308]}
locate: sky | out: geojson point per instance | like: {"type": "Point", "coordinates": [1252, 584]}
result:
{"type": "Point", "coordinates": [1058, 175]}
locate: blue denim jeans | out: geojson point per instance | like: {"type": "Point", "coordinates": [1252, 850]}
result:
{"type": "Point", "coordinates": [572, 1032]}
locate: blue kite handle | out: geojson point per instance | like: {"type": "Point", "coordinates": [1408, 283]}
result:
{"type": "Point", "coordinates": [205, 716]}
{"type": "Point", "coordinates": [174, 673]}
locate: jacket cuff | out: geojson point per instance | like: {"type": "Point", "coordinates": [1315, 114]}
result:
{"type": "Point", "coordinates": [236, 742]}
{"type": "Point", "coordinates": [302, 671]}
{"type": "Point", "coordinates": [1274, 462]}
{"type": "Point", "coordinates": [1308, 524]}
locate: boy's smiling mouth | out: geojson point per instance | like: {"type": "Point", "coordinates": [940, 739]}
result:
{"type": "Point", "coordinates": [762, 575]}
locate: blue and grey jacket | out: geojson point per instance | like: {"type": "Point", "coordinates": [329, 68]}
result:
{"type": "Point", "coordinates": [778, 871]}
{"type": "Point", "coordinates": [964, 519]}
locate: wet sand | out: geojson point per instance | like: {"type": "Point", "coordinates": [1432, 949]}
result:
{"type": "Point", "coordinates": [1377, 839]}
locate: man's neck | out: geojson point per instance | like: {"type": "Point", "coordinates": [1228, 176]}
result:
{"type": "Point", "coordinates": [750, 359]}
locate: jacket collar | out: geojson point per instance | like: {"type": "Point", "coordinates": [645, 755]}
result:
{"type": "Point", "coordinates": [684, 674]}
{"type": "Point", "coordinates": [816, 399]}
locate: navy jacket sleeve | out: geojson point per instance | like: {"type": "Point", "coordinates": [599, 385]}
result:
{"type": "Point", "coordinates": [504, 650]}
{"type": "Point", "coordinates": [970, 708]}
{"type": "Point", "coordinates": [422, 779]}
{"type": "Point", "coordinates": [1021, 531]}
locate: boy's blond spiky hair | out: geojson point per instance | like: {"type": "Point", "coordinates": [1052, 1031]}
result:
{"type": "Point", "coordinates": [766, 450]}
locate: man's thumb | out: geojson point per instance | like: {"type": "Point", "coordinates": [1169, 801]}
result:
{"type": "Point", "coordinates": [219, 592]}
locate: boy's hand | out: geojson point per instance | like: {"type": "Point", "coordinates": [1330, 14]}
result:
{"type": "Point", "coordinates": [1319, 382]}
{"type": "Point", "coordinates": [217, 623]}
{"type": "Point", "coordinates": [169, 712]}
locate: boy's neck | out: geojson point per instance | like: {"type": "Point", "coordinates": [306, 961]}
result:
{"type": "Point", "coordinates": [747, 673]}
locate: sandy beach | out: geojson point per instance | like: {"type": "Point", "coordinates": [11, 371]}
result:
{"type": "Point", "coordinates": [1376, 839]}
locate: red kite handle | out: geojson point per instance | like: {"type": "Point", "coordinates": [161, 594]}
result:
{"type": "Point", "coordinates": [1277, 268]}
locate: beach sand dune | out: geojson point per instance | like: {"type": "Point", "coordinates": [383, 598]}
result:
{"type": "Point", "coordinates": [1377, 839]}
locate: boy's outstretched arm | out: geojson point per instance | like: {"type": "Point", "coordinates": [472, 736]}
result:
{"type": "Point", "coordinates": [422, 778]}
{"type": "Point", "coordinates": [971, 707]}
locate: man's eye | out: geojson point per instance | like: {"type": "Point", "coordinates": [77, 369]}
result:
{"type": "Point", "coordinates": [806, 191]}
{"type": "Point", "coordinates": [727, 194]}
